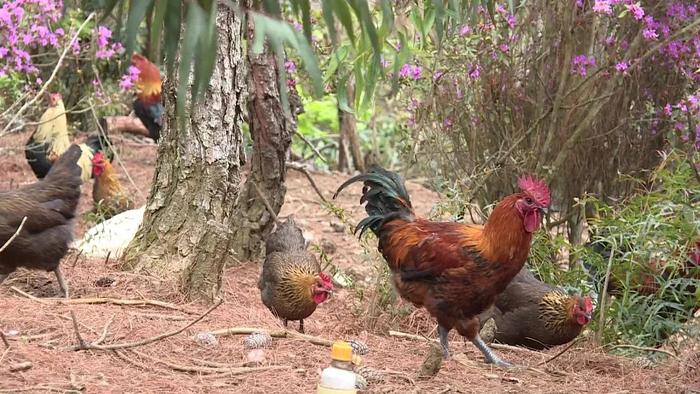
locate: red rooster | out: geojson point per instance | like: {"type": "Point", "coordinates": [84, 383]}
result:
{"type": "Point", "coordinates": [147, 106]}
{"type": "Point", "coordinates": [454, 270]}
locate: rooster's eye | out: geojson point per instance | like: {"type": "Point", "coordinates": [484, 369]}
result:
{"type": "Point", "coordinates": [528, 200]}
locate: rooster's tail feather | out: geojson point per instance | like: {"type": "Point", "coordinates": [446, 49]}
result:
{"type": "Point", "coordinates": [386, 197]}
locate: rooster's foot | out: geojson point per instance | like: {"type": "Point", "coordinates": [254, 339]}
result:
{"type": "Point", "coordinates": [490, 356]}
{"type": "Point", "coordinates": [443, 342]}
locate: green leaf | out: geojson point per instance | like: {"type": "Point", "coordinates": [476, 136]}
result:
{"type": "Point", "coordinates": [336, 58]}
{"type": "Point", "coordinates": [330, 21]}
{"type": "Point", "coordinates": [206, 56]}
{"type": "Point", "coordinates": [345, 17]}
{"type": "Point", "coordinates": [137, 13]}
{"type": "Point", "coordinates": [342, 96]}
{"type": "Point", "coordinates": [157, 23]}
{"type": "Point", "coordinates": [278, 50]}
{"type": "Point", "coordinates": [365, 17]}
{"type": "Point", "coordinates": [272, 7]}
{"type": "Point", "coordinates": [173, 18]}
{"type": "Point", "coordinates": [439, 18]}
{"type": "Point", "coordinates": [387, 19]}
{"type": "Point", "coordinates": [194, 25]}
{"type": "Point", "coordinates": [399, 60]}
{"type": "Point", "coordinates": [108, 6]}
{"type": "Point", "coordinates": [306, 18]}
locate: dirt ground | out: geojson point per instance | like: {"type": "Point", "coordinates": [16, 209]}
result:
{"type": "Point", "coordinates": [41, 330]}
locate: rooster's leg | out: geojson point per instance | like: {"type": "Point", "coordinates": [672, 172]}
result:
{"type": "Point", "coordinates": [285, 321]}
{"type": "Point", "coordinates": [490, 356]}
{"type": "Point", "coordinates": [61, 282]}
{"type": "Point", "coordinates": [3, 277]}
{"type": "Point", "coordinates": [443, 341]}
{"type": "Point", "coordinates": [301, 326]}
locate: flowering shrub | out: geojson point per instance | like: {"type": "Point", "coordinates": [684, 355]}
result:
{"type": "Point", "coordinates": [36, 29]}
{"type": "Point", "coordinates": [578, 91]}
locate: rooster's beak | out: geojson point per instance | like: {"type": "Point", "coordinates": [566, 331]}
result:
{"type": "Point", "coordinates": [544, 211]}
{"type": "Point", "coordinates": [588, 316]}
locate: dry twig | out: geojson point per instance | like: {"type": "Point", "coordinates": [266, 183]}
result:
{"type": "Point", "coordinates": [274, 333]}
{"type": "Point", "coordinates": [128, 345]}
{"type": "Point", "coordinates": [303, 170]}
{"type": "Point", "coordinates": [4, 339]}
{"type": "Point", "coordinates": [227, 370]}
{"type": "Point", "coordinates": [113, 301]}
{"type": "Point", "coordinates": [646, 349]}
{"type": "Point", "coordinates": [265, 202]}
{"type": "Point", "coordinates": [12, 238]}
{"type": "Point", "coordinates": [561, 352]}
{"type": "Point", "coordinates": [310, 145]}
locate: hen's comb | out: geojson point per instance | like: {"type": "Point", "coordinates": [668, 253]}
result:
{"type": "Point", "coordinates": [535, 188]}
{"type": "Point", "coordinates": [588, 303]}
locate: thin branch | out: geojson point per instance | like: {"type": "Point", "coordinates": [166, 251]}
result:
{"type": "Point", "coordinates": [51, 78]}
{"type": "Point", "coordinates": [112, 301]}
{"type": "Point", "coordinates": [647, 349]}
{"type": "Point", "coordinates": [105, 331]}
{"type": "Point", "coordinates": [273, 333]}
{"type": "Point", "coordinates": [264, 200]}
{"type": "Point", "coordinates": [303, 170]}
{"type": "Point", "coordinates": [128, 345]}
{"type": "Point", "coordinates": [313, 148]}
{"type": "Point", "coordinates": [561, 352]}
{"type": "Point", "coordinates": [4, 339]}
{"type": "Point", "coordinates": [12, 238]}
{"type": "Point", "coordinates": [603, 296]}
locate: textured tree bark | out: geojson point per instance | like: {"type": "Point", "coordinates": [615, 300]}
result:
{"type": "Point", "coordinates": [271, 130]}
{"type": "Point", "coordinates": [349, 142]}
{"type": "Point", "coordinates": [185, 234]}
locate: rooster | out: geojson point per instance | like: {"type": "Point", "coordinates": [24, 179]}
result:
{"type": "Point", "coordinates": [147, 106]}
{"type": "Point", "coordinates": [454, 270]}
{"type": "Point", "coordinates": [50, 139]}
{"type": "Point", "coordinates": [534, 314]}
{"type": "Point", "coordinates": [49, 206]}
{"type": "Point", "coordinates": [291, 283]}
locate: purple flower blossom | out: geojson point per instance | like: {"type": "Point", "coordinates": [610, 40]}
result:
{"type": "Point", "coordinates": [636, 10]}
{"type": "Point", "coordinates": [511, 20]}
{"type": "Point", "coordinates": [409, 70]}
{"type": "Point", "coordinates": [603, 7]}
{"type": "Point", "coordinates": [581, 63]}
{"type": "Point", "coordinates": [289, 66]}
{"type": "Point", "coordinates": [668, 110]}
{"type": "Point", "coordinates": [474, 71]}
{"type": "Point", "coordinates": [103, 36]}
{"type": "Point", "coordinates": [609, 40]}
{"type": "Point", "coordinates": [384, 63]}
{"type": "Point", "coordinates": [622, 66]}
{"type": "Point", "coordinates": [129, 79]}
{"type": "Point", "coordinates": [504, 48]}
{"type": "Point", "coordinates": [447, 123]}
{"type": "Point", "coordinates": [650, 34]}
{"type": "Point", "coordinates": [465, 30]}
{"type": "Point", "coordinates": [437, 75]}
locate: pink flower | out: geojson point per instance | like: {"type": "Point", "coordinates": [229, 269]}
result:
{"type": "Point", "coordinates": [668, 110]}
{"type": "Point", "coordinates": [465, 30]}
{"type": "Point", "coordinates": [289, 66]}
{"type": "Point", "coordinates": [636, 10]}
{"type": "Point", "coordinates": [603, 7]}
{"type": "Point", "coordinates": [650, 34]}
{"type": "Point", "coordinates": [474, 71]}
{"type": "Point", "coordinates": [622, 66]}
{"type": "Point", "coordinates": [103, 36]}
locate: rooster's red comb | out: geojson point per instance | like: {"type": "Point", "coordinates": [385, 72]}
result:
{"type": "Point", "coordinates": [588, 303]}
{"type": "Point", "coordinates": [536, 188]}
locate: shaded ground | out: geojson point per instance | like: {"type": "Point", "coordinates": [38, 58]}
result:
{"type": "Point", "coordinates": [44, 333]}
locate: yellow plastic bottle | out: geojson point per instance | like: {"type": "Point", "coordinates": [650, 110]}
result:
{"type": "Point", "coordinates": [339, 378]}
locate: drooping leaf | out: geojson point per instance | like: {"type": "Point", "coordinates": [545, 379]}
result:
{"type": "Point", "coordinates": [342, 10]}
{"type": "Point", "coordinates": [157, 24]}
{"type": "Point", "coordinates": [194, 25]}
{"type": "Point", "coordinates": [137, 13]}
{"type": "Point", "coordinates": [306, 18]}
{"type": "Point", "coordinates": [272, 7]}
{"type": "Point", "coordinates": [173, 18]}
{"type": "Point", "coordinates": [206, 54]}
{"type": "Point", "coordinates": [327, 10]}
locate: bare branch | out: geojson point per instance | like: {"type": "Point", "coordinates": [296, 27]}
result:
{"type": "Point", "coordinates": [12, 238]}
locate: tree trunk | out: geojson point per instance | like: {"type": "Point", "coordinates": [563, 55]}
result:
{"type": "Point", "coordinates": [271, 130]}
{"type": "Point", "coordinates": [348, 141]}
{"type": "Point", "coordinates": [186, 229]}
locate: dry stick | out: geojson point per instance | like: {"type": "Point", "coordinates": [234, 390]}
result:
{"type": "Point", "coordinates": [128, 345]}
{"type": "Point", "coordinates": [7, 350]}
{"type": "Point", "coordinates": [265, 202]}
{"type": "Point", "coordinates": [300, 168]}
{"type": "Point", "coordinates": [81, 342]}
{"type": "Point", "coordinates": [4, 339]}
{"type": "Point", "coordinates": [313, 148]}
{"type": "Point", "coordinates": [113, 301]}
{"type": "Point", "coordinates": [12, 238]}
{"type": "Point", "coordinates": [53, 75]}
{"type": "Point", "coordinates": [648, 349]}
{"type": "Point", "coordinates": [27, 295]}
{"type": "Point", "coordinates": [273, 333]}
{"type": "Point", "coordinates": [561, 352]}
{"type": "Point", "coordinates": [105, 331]}
{"type": "Point", "coordinates": [229, 370]}
{"type": "Point", "coordinates": [603, 296]}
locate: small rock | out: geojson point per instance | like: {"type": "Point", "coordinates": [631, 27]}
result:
{"type": "Point", "coordinates": [12, 333]}
{"type": "Point", "coordinates": [206, 339]}
{"type": "Point", "coordinates": [432, 363]}
{"type": "Point", "coordinates": [255, 357]}
{"type": "Point", "coordinates": [338, 227]}
{"type": "Point", "coordinates": [328, 246]}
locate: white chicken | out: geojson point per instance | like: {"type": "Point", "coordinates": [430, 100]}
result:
{"type": "Point", "coordinates": [111, 236]}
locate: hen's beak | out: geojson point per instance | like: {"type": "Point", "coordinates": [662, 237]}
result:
{"type": "Point", "coordinates": [588, 316]}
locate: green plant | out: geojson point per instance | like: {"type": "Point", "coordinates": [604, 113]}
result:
{"type": "Point", "coordinates": [656, 227]}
